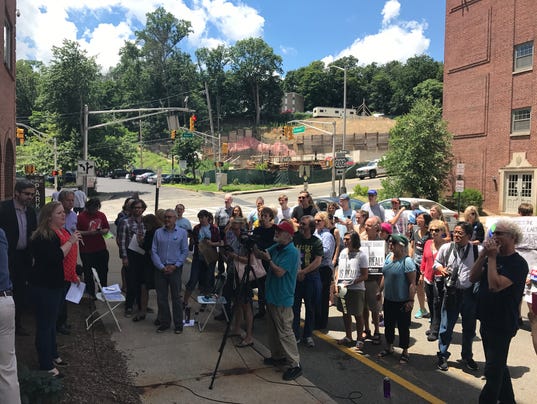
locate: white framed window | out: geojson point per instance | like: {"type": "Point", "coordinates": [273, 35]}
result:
{"type": "Point", "coordinates": [523, 56]}
{"type": "Point", "coordinates": [520, 120]}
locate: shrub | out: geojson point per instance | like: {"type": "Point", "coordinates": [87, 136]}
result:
{"type": "Point", "coordinates": [360, 190]}
{"type": "Point", "coordinates": [469, 197]}
{"type": "Point", "coordinates": [38, 386]}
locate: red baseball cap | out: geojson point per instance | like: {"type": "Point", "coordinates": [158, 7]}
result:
{"type": "Point", "coordinates": [287, 227]}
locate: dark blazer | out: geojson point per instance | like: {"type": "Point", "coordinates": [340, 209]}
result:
{"type": "Point", "coordinates": [10, 224]}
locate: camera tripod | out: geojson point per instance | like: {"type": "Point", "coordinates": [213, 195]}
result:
{"type": "Point", "coordinates": [241, 288]}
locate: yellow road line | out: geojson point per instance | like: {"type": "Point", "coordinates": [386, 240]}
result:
{"type": "Point", "coordinates": [382, 370]}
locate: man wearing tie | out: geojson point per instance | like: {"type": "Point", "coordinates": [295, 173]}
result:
{"type": "Point", "coordinates": [18, 220]}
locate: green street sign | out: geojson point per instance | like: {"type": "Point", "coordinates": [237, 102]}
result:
{"type": "Point", "coordinates": [299, 129]}
{"type": "Point", "coordinates": [187, 135]}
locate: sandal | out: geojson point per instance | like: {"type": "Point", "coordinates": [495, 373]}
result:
{"type": "Point", "coordinates": [360, 346]}
{"type": "Point", "coordinates": [344, 341]}
{"type": "Point", "coordinates": [375, 339]}
{"type": "Point", "coordinates": [244, 344]}
{"type": "Point", "coordinates": [403, 359]}
{"type": "Point", "coordinates": [366, 335]}
{"type": "Point", "coordinates": [385, 352]}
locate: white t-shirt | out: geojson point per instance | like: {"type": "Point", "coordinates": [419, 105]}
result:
{"type": "Point", "coordinates": [349, 267]}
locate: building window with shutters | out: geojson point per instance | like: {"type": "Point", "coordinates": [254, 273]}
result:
{"type": "Point", "coordinates": [520, 121]}
{"type": "Point", "coordinates": [523, 57]}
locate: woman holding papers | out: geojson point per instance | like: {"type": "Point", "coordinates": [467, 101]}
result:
{"type": "Point", "coordinates": [55, 254]}
{"type": "Point", "coordinates": [350, 276]}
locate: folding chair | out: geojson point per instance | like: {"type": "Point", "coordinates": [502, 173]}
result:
{"type": "Point", "coordinates": [116, 298]}
{"type": "Point", "coordinates": [214, 300]}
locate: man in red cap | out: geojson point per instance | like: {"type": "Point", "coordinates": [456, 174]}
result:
{"type": "Point", "coordinates": [283, 261]}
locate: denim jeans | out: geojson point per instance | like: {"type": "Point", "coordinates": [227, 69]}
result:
{"type": "Point", "coordinates": [463, 302]}
{"type": "Point", "coordinates": [309, 290]}
{"type": "Point", "coordinates": [47, 304]}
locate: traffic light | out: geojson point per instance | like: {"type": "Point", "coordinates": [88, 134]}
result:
{"type": "Point", "coordinates": [193, 120]}
{"type": "Point", "coordinates": [289, 133]}
{"type": "Point", "coordinates": [173, 133]}
{"type": "Point", "coordinates": [282, 135]}
{"type": "Point", "coordinates": [20, 135]}
{"type": "Point", "coordinates": [225, 148]}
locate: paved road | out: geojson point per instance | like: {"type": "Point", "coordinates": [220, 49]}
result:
{"type": "Point", "coordinates": [345, 375]}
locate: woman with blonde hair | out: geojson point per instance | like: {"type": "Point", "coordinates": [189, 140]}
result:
{"type": "Point", "coordinates": [326, 269]}
{"type": "Point", "coordinates": [55, 253]}
{"type": "Point", "coordinates": [471, 215]}
{"type": "Point", "coordinates": [437, 214]}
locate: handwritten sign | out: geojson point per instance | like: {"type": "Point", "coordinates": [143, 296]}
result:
{"type": "Point", "coordinates": [376, 252]}
{"type": "Point", "coordinates": [528, 247]}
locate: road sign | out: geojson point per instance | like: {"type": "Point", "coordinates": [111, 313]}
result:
{"type": "Point", "coordinates": [339, 171]}
{"type": "Point", "coordinates": [459, 186]}
{"type": "Point", "coordinates": [299, 129]}
{"type": "Point", "coordinates": [460, 169]}
{"type": "Point", "coordinates": [340, 162]}
{"type": "Point", "coordinates": [86, 167]}
{"type": "Point", "coordinates": [187, 135]}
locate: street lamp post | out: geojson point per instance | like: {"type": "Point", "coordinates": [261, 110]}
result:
{"type": "Point", "coordinates": [344, 69]}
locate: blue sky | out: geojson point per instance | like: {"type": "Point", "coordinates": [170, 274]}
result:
{"type": "Point", "coordinates": [299, 31]}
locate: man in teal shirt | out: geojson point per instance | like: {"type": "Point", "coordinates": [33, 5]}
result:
{"type": "Point", "coordinates": [283, 262]}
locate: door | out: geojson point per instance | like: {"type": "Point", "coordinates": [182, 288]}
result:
{"type": "Point", "coordinates": [519, 189]}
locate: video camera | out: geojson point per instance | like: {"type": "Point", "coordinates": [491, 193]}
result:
{"type": "Point", "coordinates": [248, 239]}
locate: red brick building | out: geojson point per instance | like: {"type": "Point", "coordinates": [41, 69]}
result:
{"type": "Point", "coordinates": [490, 96]}
{"type": "Point", "coordinates": [7, 98]}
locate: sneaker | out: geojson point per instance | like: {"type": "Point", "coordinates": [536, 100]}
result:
{"type": "Point", "coordinates": [422, 314]}
{"type": "Point", "coordinates": [432, 337]}
{"type": "Point", "coordinates": [309, 342]}
{"type": "Point", "coordinates": [162, 328]}
{"type": "Point", "coordinates": [360, 346]}
{"type": "Point", "coordinates": [298, 340]}
{"type": "Point", "coordinates": [274, 362]}
{"type": "Point", "coordinates": [470, 364]}
{"type": "Point", "coordinates": [128, 312]}
{"type": "Point", "coordinates": [292, 373]}
{"type": "Point", "coordinates": [442, 363]}
{"type": "Point", "coordinates": [178, 330]}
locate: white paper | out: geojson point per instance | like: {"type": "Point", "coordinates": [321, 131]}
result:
{"type": "Point", "coordinates": [75, 292]}
{"type": "Point", "coordinates": [112, 289]}
{"type": "Point", "coordinates": [134, 246]}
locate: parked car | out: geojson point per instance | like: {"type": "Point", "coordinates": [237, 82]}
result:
{"type": "Point", "coordinates": [152, 179]}
{"type": "Point", "coordinates": [137, 171]}
{"type": "Point", "coordinates": [67, 177]}
{"type": "Point", "coordinates": [169, 178]}
{"type": "Point", "coordinates": [425, 205]}
{"type": "Point", "coordinates": [371, 170]}
{"type": "Point", "coordinates": [322, 202]}
{"type": "Point", "coordinates": [144, 176]}
{"type": "Point", "coordinates": [118, 173]}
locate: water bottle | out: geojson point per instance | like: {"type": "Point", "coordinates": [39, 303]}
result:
{"type": "Point", "coordinates": [187, 315]}
{"type": "Point", "coordinates": [387, 387]}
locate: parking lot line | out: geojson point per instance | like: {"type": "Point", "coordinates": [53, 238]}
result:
{"type": "Point", "coordinates": [382, 370]}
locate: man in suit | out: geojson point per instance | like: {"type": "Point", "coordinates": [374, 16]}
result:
{"type": "Point", "coordinates": [18, 220]}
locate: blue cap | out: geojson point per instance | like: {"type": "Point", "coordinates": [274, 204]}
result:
{"type": "Point", "coordinates": [372, 192]}
{"type": "Point", "coordinates": [344, 196]}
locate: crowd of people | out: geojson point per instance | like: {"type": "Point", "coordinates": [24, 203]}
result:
{"type": "Point", "coordinates": [372, 264]}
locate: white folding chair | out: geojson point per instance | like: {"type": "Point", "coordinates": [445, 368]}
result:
{"type": "Point", "coordinates": [116, 298]}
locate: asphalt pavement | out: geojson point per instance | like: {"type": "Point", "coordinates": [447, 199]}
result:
{"type": "Point", "coordinates": [172, 368]}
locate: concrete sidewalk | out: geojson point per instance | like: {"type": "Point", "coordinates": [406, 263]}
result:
{"type": "Point", "coordinates": [170, 368]}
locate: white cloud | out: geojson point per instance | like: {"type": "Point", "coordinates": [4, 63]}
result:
{"type": "Point", "coordinates": [396, 40]}
{"type": "Point", "coordinates": [44, 24]}
{"type": "Point", "coordinates": [390, 11]}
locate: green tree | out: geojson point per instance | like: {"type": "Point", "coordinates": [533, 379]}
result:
{"type": "Point", "coordinates": [68, 83]}
{"type": "Point", "coordinates": [188, 149]}
{"type": "Point", "coordinates": [28, 78]}
{"type": "Point", "coordinates": [419, 159]}
{"type": "Point", "coordinates": [254, 63]}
